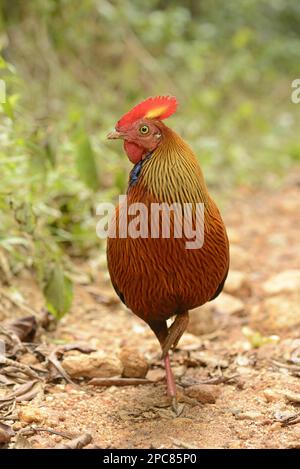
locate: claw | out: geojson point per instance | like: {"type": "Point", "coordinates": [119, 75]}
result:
{"type": "Point", "coordinates": [177, 408]}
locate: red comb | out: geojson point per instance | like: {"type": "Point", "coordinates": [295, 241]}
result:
{"type": "Point", "coordinates": [159, 107]}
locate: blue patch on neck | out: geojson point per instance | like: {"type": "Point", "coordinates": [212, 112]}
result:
{"type": "Point", "coordinates": [136, 170]}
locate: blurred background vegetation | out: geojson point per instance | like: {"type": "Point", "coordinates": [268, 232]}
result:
{"type": "Point", "coordinates": [73, 68]}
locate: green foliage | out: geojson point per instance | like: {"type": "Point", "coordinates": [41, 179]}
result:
{"type": "Point", "coordinates": [86, 164]}
{"type": "Point", "coordinates": [58, 292]}
{"type": "Point", "coordinates": [73, 68]}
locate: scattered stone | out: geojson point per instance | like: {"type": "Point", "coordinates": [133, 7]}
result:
{"type": "Point", "coordinates": [209, 359]}
{"type": "Point", "coordinates": [291, 396]}
{"type": "Point", "coordinates": [275, 426]}
{"type": "Point", "coordinates": [6, 432]}
{"type": "Point", "coordinates": [180, 421]}
{"type": "Point", "coordinates": [189, 342]}
{"type": "Point", "coordinates": [286, 281]}
{"type": "Point", "coordinates": [227, 304]}
{"type": "Point", "coordinates": [18, 425]}
{"type": "Point", "coordinates": [271, 395]}
{"type": "Point", "coordinates": [242, 360]}
{"type": "Point", "coordinates": [94, 365]}
{"type": "Point", "coordinates": [202, 320]}
{"type": "Point", "coordinates": [134, 363]}
{"type": "Point", "coordinates": [236, 282]}
{"type": "Point", "coordinates": [239, 258]}
{"type": "Point", "coordinates": [204, 393]}
{"type": "Point", "coordinates": [178, 371]}
{"type": "Point", "coordinates": [28, 359]}
{"type": "Point", "coordinates": [31, 414]}
{"type": "Point", "coordinates": [248, 415]}
{"type": "Point", "coordinates": [155, 375]}
{"type": "Point", "coordinates": [283, 415]}
{"type": "Point", "coordinates": [276, 313]}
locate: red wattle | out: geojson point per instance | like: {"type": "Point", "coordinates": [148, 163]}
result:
{"type": "Point", "coordinates": [134, 152]}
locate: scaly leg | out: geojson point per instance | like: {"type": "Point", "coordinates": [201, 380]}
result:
{"type": "Point", "coordinates": [169, 338]}
{"type": "Point", "coordinates": [175, 332]}
{"type": "Point", "coordinates": [161, 331]}
{"type": "Point", "coordinates": [171, 385]}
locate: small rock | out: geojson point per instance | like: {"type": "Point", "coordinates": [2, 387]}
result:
{"type": "Point", "coordinates": [248, 415]}
{"type": "Point", "coordinates": [236, 282]}
{"type": "Point", "coordinates": [178, 371]}
{"type": "Point", "coordinates": [286, 281]}
{"type": "Point", "coordinates": [17, 425]}
{"type": "Point", "coordinates": [94, 365]}
{"type": "Point", "coordinates": [32, 414]}
{"type": "Point", "coordinates": [271, 395]}
{"type": "Point", "coordinates": [134, 363]}
{"type": "Point", "coordinates": [189, 342]}
{"type": "Point", "coordinates": [228, 304]}
{"type": "Point", "coordinates": [204, 393]}
{"type": "Point", "coordinates": [209, 359]}
{"type": "Point", "coordinates": [239, 258]}
{"type": "Point", "coordinates": [283, 415]}
{"type": "Point", "coordinates": [28, 359]}
{"type": "Point", "coordinates": [6, 432]}
{"type": "Point", "coordinates": [155, 375]}
{"type": "Point", "coordinates": [242, 360]}
{"type": "Point", "coordinates": [179, 421]}
{"type": "Point", "coordinates": [291, 396]}
{"type": "Point", "coordinates": [202, 320]}
{"type": "Point", "coordinates": [276, 313]}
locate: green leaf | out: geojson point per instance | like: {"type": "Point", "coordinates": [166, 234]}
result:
{"type": "Point", "coordinates": [25, 217]}
{"type": "Point", "coordinates": [86, 164]}
{"type": "Point", "coordinates": [58, 292]}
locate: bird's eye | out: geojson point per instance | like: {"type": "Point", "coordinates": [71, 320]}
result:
{"type": "Point", "coordinates": [144, 129]}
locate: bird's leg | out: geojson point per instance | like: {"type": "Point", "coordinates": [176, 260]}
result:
{"type": "Point", "coordinates": [175, 332]}
{"type": "Point", "coordinates": [171, 385]}
{"type": "Point", "coordinates": [160, 329]}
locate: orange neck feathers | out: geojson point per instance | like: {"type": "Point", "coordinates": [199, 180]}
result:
{"type": "Point", "coordinates": [172, 173]}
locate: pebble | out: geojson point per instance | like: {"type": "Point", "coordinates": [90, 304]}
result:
{"type": "Point", "coordinates": [178, 371]}
{"type": "Point", "coordinates": [31, 414]}
{"type": "Point", "coordinates": [94, 365]}
{"type": "Point", "coordinates": [134, 363]}
{"type": "Point", "coordinates": [228, 304]}
{"type": "Point", "coordinates": [189, 342]}
{"type": "Point", "coordinates": [209, 359]}
{"type": "Point", "coordinates": [204, 393]}
{"type": "Point", "coordinates": [155, 375]}
{"type": "Point", "coordinates": [202, 320]}
{"type": "Point", "coordinates": [179, 421]}
{"type": "Point", "coordinates": [291, 396]}
{"type": "Point", "coordinates": [286, 281]}
{"type": "Point", "coordinates": [271, 395]}
{"type": "Point", "coordinates": [248, 415]}
{"type": "Point", "coordinates": [236, 282]}
{"type": "Point", "coordinates": [276, 313]}
{"type": "Point", "coordinates": [239, 258]}
{"type": "Point", "coordinates": [28, 359]}
{"type": "Point", "coordinates": [5, 436]}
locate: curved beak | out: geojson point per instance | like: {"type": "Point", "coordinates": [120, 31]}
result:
{"type": "Point", "coordinates": [114, 134]}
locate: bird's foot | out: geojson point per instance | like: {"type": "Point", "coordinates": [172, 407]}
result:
{"type": "Point", "coordinates": [176, 407]}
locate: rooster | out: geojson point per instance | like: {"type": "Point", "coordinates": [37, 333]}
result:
{"type": "Point", "coordinates": [158, 277]}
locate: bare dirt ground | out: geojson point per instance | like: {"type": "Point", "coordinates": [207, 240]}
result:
{"type": "Point", "coordinates": [237, 369]}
